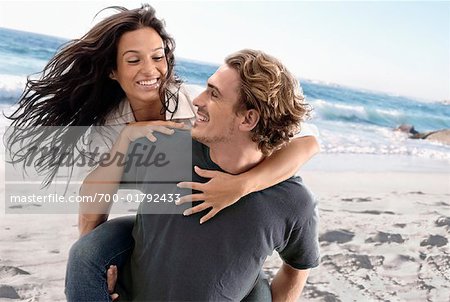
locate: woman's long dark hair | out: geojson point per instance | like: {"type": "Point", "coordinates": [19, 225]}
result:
{"type": "Point", "coordinates": [75, 89]}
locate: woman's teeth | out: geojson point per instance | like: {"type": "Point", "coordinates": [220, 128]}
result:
{"type": "Point", "coordinates": [148, 83]}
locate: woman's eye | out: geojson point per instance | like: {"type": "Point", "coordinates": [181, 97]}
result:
{"type": "Point", "coordinates": [157, 59]}
{"type": "Point", "coordinates": [133, 61]}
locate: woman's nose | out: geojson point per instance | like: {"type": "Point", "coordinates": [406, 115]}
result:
{"type": "Point", "coordinates": [148, 66]}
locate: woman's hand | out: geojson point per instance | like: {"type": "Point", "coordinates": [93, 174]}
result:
{"type": "Point", "coordinates": [137, 130]}
{"type": "Point", "coordinates": [221, 191]}
{"type": "Point", "coordinates": [111, 279]}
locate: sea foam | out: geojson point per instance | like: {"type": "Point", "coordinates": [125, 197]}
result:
{"type": "Point", "coordinates": [11, 87]}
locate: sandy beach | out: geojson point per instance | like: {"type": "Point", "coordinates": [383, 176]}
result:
{"type": "Point", "coordinates": [384, 237]}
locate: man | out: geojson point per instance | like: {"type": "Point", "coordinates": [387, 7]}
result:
{"type": "Point", "coordinates": [250, 108]}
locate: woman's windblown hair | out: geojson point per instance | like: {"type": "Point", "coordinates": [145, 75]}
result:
{"type": "Point", "coordinates": [74, 91]}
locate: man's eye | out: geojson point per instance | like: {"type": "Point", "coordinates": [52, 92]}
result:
{"type": "Point", "coordinates": [214, 94]}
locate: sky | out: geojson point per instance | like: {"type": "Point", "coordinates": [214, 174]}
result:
{"type": "Point", "coordinates": [401, 48]}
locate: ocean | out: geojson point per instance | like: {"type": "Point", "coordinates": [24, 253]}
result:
{"type": "Point", "coordinates": [350, 121]}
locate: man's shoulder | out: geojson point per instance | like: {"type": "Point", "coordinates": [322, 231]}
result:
{"type": "Point", "coordinates": [300, 249]}
{"type": "Point", "coordinates": [294, 195]}
{"type": "Point", "coordinates": [296, 185]}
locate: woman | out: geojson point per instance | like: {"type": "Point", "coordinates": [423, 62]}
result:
{"type": "Point", "coordinates": [121, 74]}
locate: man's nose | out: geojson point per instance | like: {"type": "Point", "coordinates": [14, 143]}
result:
{"type": "Point", "coordinates": [199, 101]}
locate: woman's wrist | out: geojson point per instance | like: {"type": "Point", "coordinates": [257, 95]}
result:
{"type": "Point", "coordinates": [246, 184]}
{"type": "Point", "coordinates": [124, 136]}
{"type": "Point", "coordinates": [88, 222]}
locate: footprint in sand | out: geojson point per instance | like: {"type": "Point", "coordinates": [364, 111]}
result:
{"type": "Point", "coordinates": [372, 212]}
{"type": "Point", "coordinates": [357, 199]}
{"type": "Point", "coordinates": [440, 263]}
{"type": "Point", "coordinates": [352, 261]}
{"type": "Point", "coordinates": [417, 192]}
{"type": "Point", "coordinates": [312, 292]}
{"type": "Point", "coordinates": [442, 221]}
{"type": "Point", "coordinates": [434, 240]}
{"type": "Point", "coordinates": [15, 206]}
{"type": "Point", "coordinates": [8, 292]}
{"type": "Point", "coordinates": [23, 236]}
{"type": "Point", "coordinates": [11, 271]}
{"type": "Point", "coordinates": [376, 212]}
{"type": "Point", "coordinates": [406, 258]}
{"type": "Point", "coordinates": [382, 237]}
{"type": "Point", "coordinates": [339, 236]}
{"type": "Point", "coordinates": [400, 225]}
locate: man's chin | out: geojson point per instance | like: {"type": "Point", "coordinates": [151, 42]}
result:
{"type": "Point", "coordinates": [197, 137]}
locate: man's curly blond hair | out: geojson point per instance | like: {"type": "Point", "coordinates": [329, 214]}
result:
{"type": "Point", "coordinates": [269, 88]}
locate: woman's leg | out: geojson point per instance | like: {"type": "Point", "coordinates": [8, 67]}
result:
{"type": "Point", "coordinates": [108, 244]}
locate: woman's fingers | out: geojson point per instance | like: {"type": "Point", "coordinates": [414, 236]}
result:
{"type": "Point", "coordinates": [206, 173]}
{"type": "Point", "coordinates": [146, 129]}
{"type": "Point", "coordinates": [111, 277]}
{"type": "Point", "coordinates": [176, 125]}
{"type": "Point", "coordinates": [210, 215]}
{"type": "Point", "coordinates": [196, 209]}
{"type": "Point", "coordinates": [191, 185]}
{"type": "Point", "coordinates": [161, 129]}
{"type": "Point", "coordinates": [201, 207]}
{"type": "Point", "coordinates": [189, 198]}
{"type": "Point", "coordinates": [150, 136]}
{"type": "Point", "coordinates": [170, 124]}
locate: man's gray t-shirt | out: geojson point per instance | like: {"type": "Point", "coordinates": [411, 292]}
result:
{"type": "Point", "coordinates": [177, 259]}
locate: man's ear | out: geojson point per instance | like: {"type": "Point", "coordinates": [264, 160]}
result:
{"type": "Point", "coordinates": [250, 120]}
{"type": "Point", "coordinates": [112, 75]}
